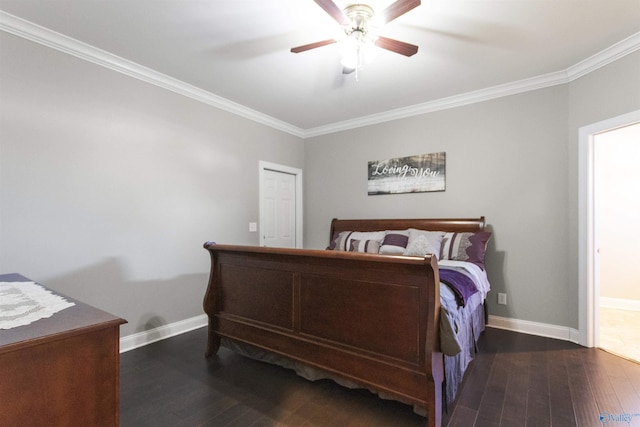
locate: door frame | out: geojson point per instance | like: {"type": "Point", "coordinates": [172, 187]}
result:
{"type": "Point", "coordinates": [588, 265]}
{"type": "Point", "coordinates": [267, 166]}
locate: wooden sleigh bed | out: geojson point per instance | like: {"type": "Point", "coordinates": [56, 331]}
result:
{"type": "Point", "coordinates": [367, 319]}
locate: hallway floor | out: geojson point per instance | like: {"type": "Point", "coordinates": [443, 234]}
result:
{"type": "Point", "coordinates": [620, 332]}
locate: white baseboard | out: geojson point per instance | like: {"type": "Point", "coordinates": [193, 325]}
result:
{"type": "Point", "coordinates": [140, 339]}
{"type": "Point", "coordinates": [620, 303]}
{"type": "Point", "coordinates": [534, 328]}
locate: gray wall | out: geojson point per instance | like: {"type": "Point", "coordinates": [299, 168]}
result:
{"type": "Point", "coordinates": [605, 93]}
{"type": "Point", "coordinates": [512, 159]}
{"type": "Point", "coordinates": [109, 186]}
{"type": "Point", "coordinates": [505, 160]}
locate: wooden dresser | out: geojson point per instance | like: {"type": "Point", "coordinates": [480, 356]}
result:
{"type": "Point", "coordinates": [61, 371]}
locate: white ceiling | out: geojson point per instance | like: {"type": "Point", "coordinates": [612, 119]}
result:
{"type": "Point", "coordinates": [239, 50]}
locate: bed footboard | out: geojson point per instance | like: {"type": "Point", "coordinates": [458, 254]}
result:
{"type": "Point", "coordinates": [371, 319]}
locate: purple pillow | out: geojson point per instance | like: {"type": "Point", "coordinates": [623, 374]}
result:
{"type": "Point", "coordinates": [469, 247]}
{"type": "Point", "coordinates": [394, 242]}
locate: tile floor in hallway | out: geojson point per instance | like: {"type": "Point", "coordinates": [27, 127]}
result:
{"type": "Point", "coordinates": [620, 332]}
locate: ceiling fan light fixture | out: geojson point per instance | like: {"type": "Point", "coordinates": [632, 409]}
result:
{"type": "Point", "coordinates": [358, 47]}
{"type": "Point", "coordinates": [357, 50]}
{"type": "Point", "coordinates": [357, 22]}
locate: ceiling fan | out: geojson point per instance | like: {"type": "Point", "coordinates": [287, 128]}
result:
{"type": "Point", "coordinates": [357, 21]}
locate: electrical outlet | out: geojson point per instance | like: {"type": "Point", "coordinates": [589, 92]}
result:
{"type": "Point", "coordinates": [253, 227]}
{"type": "Point", "coordinates": [502, 298]}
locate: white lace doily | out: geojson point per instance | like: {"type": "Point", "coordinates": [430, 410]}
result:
{"type": "Point", "coordinates": [22, 303]}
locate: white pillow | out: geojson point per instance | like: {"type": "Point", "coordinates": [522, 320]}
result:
{"type": "Point", "coordinates": [423, 242]}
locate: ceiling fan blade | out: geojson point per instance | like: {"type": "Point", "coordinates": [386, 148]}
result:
{"type": "Point", "coordinates": [334, 11]}
{"type": "Point", "coordinates": [310, 46]}
{"type": "Point", "coordinates": [397, 9]}
{"type": "Point", "coordinates": [396, 46]}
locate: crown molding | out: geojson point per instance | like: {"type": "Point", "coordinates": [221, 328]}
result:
{"type": "Point", "coordinates": [493, 92]}
{"type": "Point", "coordinates": [593, 63]}
{"type": "Point", "coordinates": [605, 57]}
{"type": "Point", "coordinates": [44, 36]}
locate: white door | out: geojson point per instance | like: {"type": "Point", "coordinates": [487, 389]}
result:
{"type": "Point", "coordinates": [279, 209]}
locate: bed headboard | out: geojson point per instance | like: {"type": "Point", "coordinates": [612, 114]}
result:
{"type": "Point", "coordinates": [438, 224]}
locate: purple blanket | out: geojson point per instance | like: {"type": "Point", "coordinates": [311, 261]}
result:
{"type": "Point", "coordinates": [461, 285]}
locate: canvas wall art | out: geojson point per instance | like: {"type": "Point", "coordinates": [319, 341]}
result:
{"type": "Point", "coordinates": [413, 174]}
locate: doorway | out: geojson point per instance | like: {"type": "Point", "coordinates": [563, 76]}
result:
{"type": "Point", "coordinates": [589, 237]}
{"type": "Point", "coordinates": [617, 229]}
{"type": "Point", "coordinates": [280, 206]}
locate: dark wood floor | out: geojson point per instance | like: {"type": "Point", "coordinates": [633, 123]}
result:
{"type": "Point", "coordinates": [516, 380]}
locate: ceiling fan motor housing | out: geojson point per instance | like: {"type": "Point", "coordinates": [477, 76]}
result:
{"type": "Point", "coordinates": [360, 16]}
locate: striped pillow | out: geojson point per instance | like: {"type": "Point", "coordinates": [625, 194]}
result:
{"type": "Point", "coordinates": [339, 243]}
{"type": "Point", "coordinates": [342, 242]}
{"type": "Point", "coordinates": [367, 246]}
